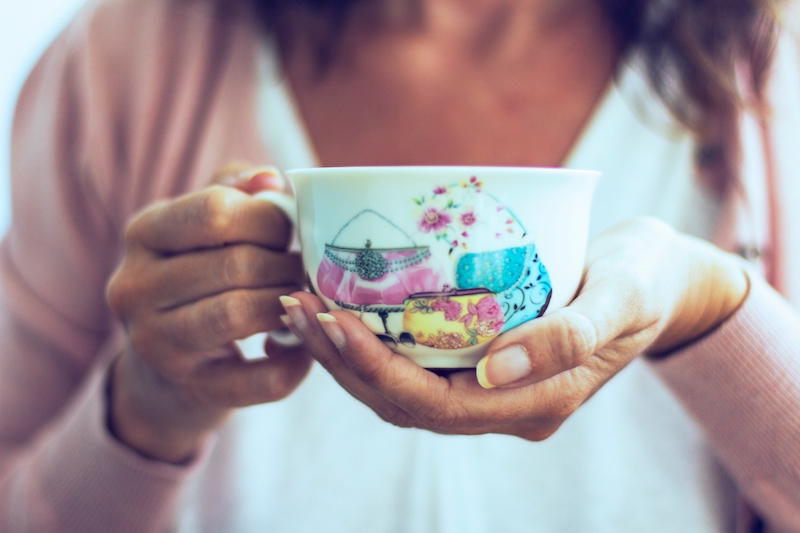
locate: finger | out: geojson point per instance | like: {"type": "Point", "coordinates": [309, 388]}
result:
{"type": "Point", "coordinates": [236, 383]}
{"type": "Point", "coordinates": [404, 393]}
{"type": "Point", "coordinates": [456, 404]}
{"type": "Point", "coordinates": [249, 178]}
{"type": "Point", "coordinates": [303, 311]}
{"type": "Point", "coordinates": [365, 366]}
{"type": "Point", "coordinates": [215, 321]}
{"type": "Point", "coordinates": [604, 311]}
{"type": "Point", "coordinates": [187, 278]}
{"type": "Point", "coordinates": [209, 218]}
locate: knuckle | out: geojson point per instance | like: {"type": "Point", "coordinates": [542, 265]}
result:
{"type": "Point", "coordinates": [579, 337]}
{"type": "Point", "coordinates": [218, 212]}
{"type": "Point", "coordinates": [140, 225]}
{"type": "Point", "coordinates": [133, 231]}
{"type": "Point", "coordinates": [118, 295]}
{"type": "Point", "coordinates": [236, 265]}
{"type": "Point", "coordinates": [183, 327]}
{"type": "Point", "coordinates": [227, 314]}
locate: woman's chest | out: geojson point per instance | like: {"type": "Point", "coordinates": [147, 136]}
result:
{"type": "Point", "coordinates": [445, 114]}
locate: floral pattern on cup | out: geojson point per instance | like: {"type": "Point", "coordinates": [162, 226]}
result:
{"type": "Point", "coordinates": [453, 319]}
{"type": "Point", "coordinates": [449, 214]}
{"type": "Point", "coordinates": [488, 277]}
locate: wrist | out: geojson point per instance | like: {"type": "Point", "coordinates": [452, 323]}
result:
{"type": "Point", "coordinates": [718, 286]}
{"type": "Point", "coordinates": [151, 416]}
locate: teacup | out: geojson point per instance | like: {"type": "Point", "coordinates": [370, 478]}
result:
{"type": "Point", "coordinates": [438, 261]}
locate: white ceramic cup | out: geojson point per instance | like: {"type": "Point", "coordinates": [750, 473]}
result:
{"type": "Point", "coordinates": [438, 261]}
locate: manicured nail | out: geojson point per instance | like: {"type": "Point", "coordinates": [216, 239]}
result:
{"type": "Point", "coordinates": [505, 366]}
{"type": "Point", "coordinates": [332, 329]}
{"type": "Point", "coordinates": [289, 323]}
{"type": "Point", "coordinates": [295, 311]}
{"type": "Point", "coordinates": [480, 372]}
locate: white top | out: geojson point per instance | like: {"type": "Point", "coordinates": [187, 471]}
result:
{"type": "Point", "coordinates": [630, 460]}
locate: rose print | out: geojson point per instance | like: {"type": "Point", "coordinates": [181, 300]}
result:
{"type": "Point", "coordinates": [451, 308]}
{"type": "Point", "coordinates": [489, 309]}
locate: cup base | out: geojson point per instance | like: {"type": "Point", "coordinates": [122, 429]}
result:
{"type": "Point", "coordinates": [432, 358]}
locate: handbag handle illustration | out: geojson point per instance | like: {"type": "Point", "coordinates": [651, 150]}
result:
{"type": "Point", "coordinates": [395, 226]}
{"type": "Point", "coordinates": [288, 206]}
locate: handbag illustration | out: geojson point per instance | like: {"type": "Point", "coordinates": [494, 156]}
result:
{"type": "Point", "coordinates": [453, 318]}
{"type": "Point", "coordinates": [516, 275]}
{"type": "Point", "coordinates": [481, 294]}
{"type": "Point", "coordinates": [374, 279]}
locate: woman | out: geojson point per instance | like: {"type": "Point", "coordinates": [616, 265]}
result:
{"type": "Point", "coordinates": [129, 424]}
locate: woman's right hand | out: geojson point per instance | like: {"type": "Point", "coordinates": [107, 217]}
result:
{"type": "Point", "coordinates": [199, 272]}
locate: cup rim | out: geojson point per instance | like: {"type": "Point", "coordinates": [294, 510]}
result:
{"type": "Point", "coordinates": [578, 172]}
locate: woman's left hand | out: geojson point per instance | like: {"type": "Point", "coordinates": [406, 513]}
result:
{"type": "Point", "coordinates": [646, 288]}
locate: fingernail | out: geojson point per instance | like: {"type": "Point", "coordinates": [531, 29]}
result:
{"type": "Point", "coordinates": [289, 323]}
{"type": "Point", "coordinates": [295, 311]}
{"type": "Point", "coordinates": [267, 175]}
{"type": "Point", "coordinates": [480, 372]}
{"type": "Point", "coordinates": [332, 329]}
{"type": "Point", "coordinates": [503, 367]}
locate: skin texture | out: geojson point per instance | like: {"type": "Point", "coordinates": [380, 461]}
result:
{"type": "Point", "coordinates": [199, 272]}
{"type": "Point", "coordinates": [645, 288]}
{"type": "Point", "coordinates": [470, 87]}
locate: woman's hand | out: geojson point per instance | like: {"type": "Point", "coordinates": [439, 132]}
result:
{"type": "Point", "coordinates": [646, 288]}
{"type": "Point", "coordinates": [198, 273]}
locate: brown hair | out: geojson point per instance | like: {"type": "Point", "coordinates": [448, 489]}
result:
{"type": "Point", "coordinates": [695, 49]}
{"type": "Point", "coordinates": [697, 52]}
{"type": "Point", "coordinates": [691, 47]}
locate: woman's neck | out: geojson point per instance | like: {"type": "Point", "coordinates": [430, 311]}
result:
{"type": "Point", "coordinates": [481, 82]}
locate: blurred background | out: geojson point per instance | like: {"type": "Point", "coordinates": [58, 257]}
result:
{"type": "Point", "coordinates": [26, 27]}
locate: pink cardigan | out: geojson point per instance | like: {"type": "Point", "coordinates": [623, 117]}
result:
{"type": "Point", "coordinates": [143, 99]}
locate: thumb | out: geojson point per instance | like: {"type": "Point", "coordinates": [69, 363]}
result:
{"type": "Point", "coordinates": [249, 178]}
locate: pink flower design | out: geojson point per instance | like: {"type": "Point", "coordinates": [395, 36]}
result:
{"type": "Point", "coordinates": [488, 309]}
{"type": "Point", "coordinates": [452, 309]}
{"type": "Point", "coordinates": [434, 219]}
{"type": "Point", "coordinates": [441, 189]}
{"type": "Point", "coordinates": [468, 218]}
{"type": "Point", "coordinates": [472, 312]}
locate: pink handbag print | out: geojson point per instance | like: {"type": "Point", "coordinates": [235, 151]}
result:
{"type": "Point", "coordinates": [375, 276]}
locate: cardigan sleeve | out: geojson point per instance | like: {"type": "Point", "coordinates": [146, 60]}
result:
{"type": "Point", "coordinates": [87, 151]}
{"type": "Point", "coordinates": [742, 384]}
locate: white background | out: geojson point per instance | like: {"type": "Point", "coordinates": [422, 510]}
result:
{"type": "Point", "coordinates": [26, 27]}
